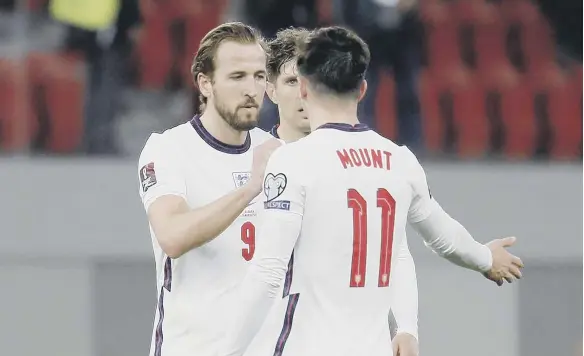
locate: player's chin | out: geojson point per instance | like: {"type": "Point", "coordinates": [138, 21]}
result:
{"type": "Point", "coordinates": [247, 121]}
{"type": "Point", "coordinates": [304, 124]}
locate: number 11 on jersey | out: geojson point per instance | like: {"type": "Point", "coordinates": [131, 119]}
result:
{"type": "Point", "coordinates": [358, 204]}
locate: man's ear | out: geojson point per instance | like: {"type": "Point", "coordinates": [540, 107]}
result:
{"type": "Point", "coordinates": [205, 85]}
{"type": "Point", "coordinates": [303, 87]}
{"type": "Point", "coordinates": [271, 91]}
{"type": "Point", "coordinates": [362, 89]}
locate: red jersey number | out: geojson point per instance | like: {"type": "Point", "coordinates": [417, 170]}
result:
{"type": "Point", "coordinates": [358, 204]}
{"type": "Point", "coordinates": [248, 238]}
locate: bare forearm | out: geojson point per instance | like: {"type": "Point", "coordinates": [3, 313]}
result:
{"type": "Point", "coordinates": [186, 230]}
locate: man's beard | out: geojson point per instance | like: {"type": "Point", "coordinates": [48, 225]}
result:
{"type": "Point", "coordinates": [237, 119]}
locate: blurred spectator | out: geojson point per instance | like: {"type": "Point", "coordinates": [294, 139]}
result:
{"type": "Point", "coordinates": [104, 39]}
{"type": "Point", "coordinates": [7, 5]}
{"type": "Point", "coordinates": [269, 16]}
{"type": "Point", "coordinates": [393, 31]}
{"type": "Point", "coordinates": [566, 18]}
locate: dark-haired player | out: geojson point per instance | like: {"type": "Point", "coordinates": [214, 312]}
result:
{"type": "Point", "coordinates": [198, 182]}
{"type": "Point", "coordinates": [341, 199]}
{"type": "Point", "coordinates": [282, 87]}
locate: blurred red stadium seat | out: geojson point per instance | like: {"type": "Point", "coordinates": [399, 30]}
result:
{"type": "Point", "coordinates": [184, 8]}
{"type": "Point", "coordinates": [576, 77]}
{"type": "Point", "coordinates": [563, 91]}
{"type": "Point", "coordinates": [492, 59]}
{"type": "Point", "coordinates": [565, 113]}
{"type": "Point", "coordinates": [469, 114]}
{"type": "Point", "coordinates": [197, 25]}
{"type": "Point", "coordinates": [473, 11]}
{"type": "Point", "coordinates": [324, 10]}
{"type": "Point", "coordinates": [519, 11]}
{"type": "Point", "coordinates": [432, 123]}
{"type": "Point", "coordinates": [434, 12]}
{"type": "Point", "coordinates": [150, 9]}
{"type": "Point", "coordinates": [59, 80]}
{"type": "Point", "coordinates": [155, 46]}
{"type": "Point", "coordinates": [443, 47]}
{"type": "Point", "coordinates": [386, 109]}
{"type": "Point", "coordinates": [36, 5]}
{"type": "Point", "coordinates": [538, 45]}
{"type": "Point", "coordinates": [153, 53]}
{"type": "Point", "coordinates": [518, 119]}
{"type": "Point", "coordinates": [547, 76]}
{"type": "Point", "coordinates": [17, 122]}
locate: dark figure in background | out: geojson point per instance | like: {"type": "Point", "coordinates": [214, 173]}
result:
{"type": "Point", "coordinates": [393, 32]}
{"type": "Point", "coordinates": [273, 15]}
{"type": "Point", "coordinates": [565, 17]}
{"type": "Point", "coordinates": [269, 16]}
{"type": "Point", "coordinates": [106, 53]}
{"type": "Point", "coordinates": [7, 5]}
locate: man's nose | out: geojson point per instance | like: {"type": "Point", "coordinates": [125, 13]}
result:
{"type": "Point", "coordinates": [251, 88]}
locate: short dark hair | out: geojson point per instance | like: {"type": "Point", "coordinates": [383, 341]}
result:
{"type": "Point", "coordinates": [204, 61]}
{"type": "Point", "coordinates": [334, 59]}
{"type": "Point", "coordinates": [283, 48]}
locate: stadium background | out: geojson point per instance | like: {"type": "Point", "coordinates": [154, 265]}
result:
{"type": "Point", "coordinates": [500, 88]}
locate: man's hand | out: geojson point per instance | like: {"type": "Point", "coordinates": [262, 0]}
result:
{"type": "Point", "coordinates": [505, 266]}
{"type": "Point", "coordinates": [405, 344]}
{"type": "Point", "coordinates": [261, 155]}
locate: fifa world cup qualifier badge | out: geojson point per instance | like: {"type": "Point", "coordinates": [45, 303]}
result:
{"type": "Point", "coordinates": [274, 186]}
{"type": "Point", "coordinates": [240, 178]}
{"type": "Point", "coordinates": [147, 176]}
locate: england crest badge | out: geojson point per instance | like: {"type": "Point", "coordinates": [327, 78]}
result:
{"type": "Point", "coordinates": [240, 178]}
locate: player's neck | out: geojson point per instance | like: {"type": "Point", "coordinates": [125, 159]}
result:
{"type": "Point", "coordinates": [328, 112]}
{"type": "Point", "coordinates": [289, 134]}
{"type": "Point", "coordinates": [220, 129]}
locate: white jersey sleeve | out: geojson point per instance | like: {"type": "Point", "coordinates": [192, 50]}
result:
{"type": "Point", "coordinates": [444, 235]}
{"type": "Point", "coordinates": [405, 286]}
{"type": "Point", "coordinates": [279, 228]}
{"type": "Point", "coordinates": [421, 204]}
{"type": "Point", "coordinates": [159, 173]}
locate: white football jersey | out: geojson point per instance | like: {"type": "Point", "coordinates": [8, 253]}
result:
{"type": "Point", "coordinates": [196, 289]}
{"type": "Point", "coordinates": [355, 191]}
{"type": "Point", "coordinates": [264, 342]}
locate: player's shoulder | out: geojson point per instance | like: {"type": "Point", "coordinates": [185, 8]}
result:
{"type": "Point", "coordinates": [403, 152]}
{"type": "Point", "coordinates": [387, 143]}
{"type": "Point", "coordinates": [161, 141]}
{"type": "Point", "coordinates": [295, 147]}
{"type": "Point", "coordinates": [289, 154]}
{"type": "Point", "coordinates": [408, 162]}
{"type": "Point", "coordinates": [259, 136]}
{"type": "Point", "coordinates": [408, 156]}
{"type": "Point", "coordinates": [398, 151]}
{"type": "Point", "coordinates": [402, 157]}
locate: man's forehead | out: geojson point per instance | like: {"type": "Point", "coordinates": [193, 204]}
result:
{"type": "Point", "coordinates": [289, 69]}
{"type": "Point", "coordinates": [234, 53]}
